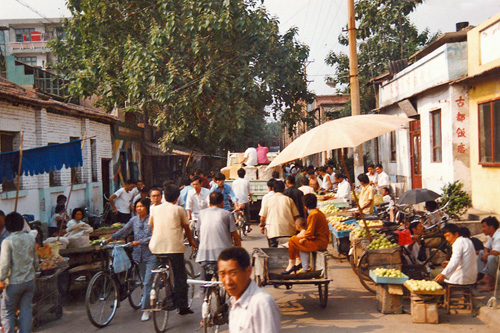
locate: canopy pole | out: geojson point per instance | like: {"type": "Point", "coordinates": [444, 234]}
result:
{"type": "Point", "coordinates": [71, 188]}
{"type": "Point", "coordinates": [19, 171]}
{"type": "Point", "coordinates": [355, 196]}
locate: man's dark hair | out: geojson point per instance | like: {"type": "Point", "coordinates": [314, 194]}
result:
{"type": "Point", "coordinates": [305, 181]}
{"type": "Point", "coordinates": [464, 232]}
{"type": "Point", "coordinates": [310, 172]}
{"type": "Point", "coordinates": [310, 201]}
{"type": "Point", "coordinates": [61, 197]}
{"type": "Point", "coordinates": [220, 176]}
{"type": "Point", "coordinates": [196, 178]}
{"type": "Point", "coordinates": [322, 169]}
{"type": "Point", "coordinates": [279, 186]}
{"type": "Point", "coordinates": [275, 174]}
{"type": "Point", "coordinates": [262, 143]}
{"type": "Point", "coordinates": [216, 198]}
{"type": "Point", "coordinates": [413, 226]}
{"type": "Point", "coordinates": [236, 253]}
{"type": "Point", "coordinates": [371, 166]}
{"type": "Point", "coordinates": [491, 221]}
{"type": "Point", "coordinates": [270, 183]}
{"type": "Point", "coordinates": [379, 166]}
{"type": "Point", "coordinates": [363, 178]}
{"type": "Point", "coordinates": [14, 222]}
{"type": "Point", "coordinates": [339, 175]}
{"type": "Point", "coordinates": [451, 228]}
{"type": "Point", "coordinates": [431, 205]}
{"type": "Point", "coordinates": [387, 188]}
{"type": "Point", "coordinates": [2, 214]}
{"type": "Point", "coordinates": [155, 189]}
{"type": "Point", "coordinates": [241, 173]}
{"type": "Point", "coordinates": [131, 181]}
{"type": "Point", "coordinates": [171, 193]}
{"type": "Point", "coordinates": [146, 202]}
{"type": "Point", "coordinates": [291, 180]}
{"type": "Point", "coordinates": [144, 190]}
{"type": "Point", "coordinates": [76, 210]}
{"type": "Point", "coordinates": [60, 208]}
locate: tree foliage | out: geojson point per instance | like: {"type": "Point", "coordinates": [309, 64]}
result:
{"type": "Point", "coordinates": [384, 34]}
{"type": "Point", "coordinates": [201, 71]}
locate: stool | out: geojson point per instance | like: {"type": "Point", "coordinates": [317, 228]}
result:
{"type": "Point", "coordinates": [458, 297]}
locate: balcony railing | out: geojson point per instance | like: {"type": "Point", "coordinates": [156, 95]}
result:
{"type": "Point", "coordinates": [20, 46]}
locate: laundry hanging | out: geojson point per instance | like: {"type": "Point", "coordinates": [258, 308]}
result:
{"type": "Point", "coordinates": [41, 159]}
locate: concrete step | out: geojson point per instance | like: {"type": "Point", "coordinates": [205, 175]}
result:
{"type": "Point", "coordinates": [474, 214]}
{"type": "Point", "coordinates": [474, 226]}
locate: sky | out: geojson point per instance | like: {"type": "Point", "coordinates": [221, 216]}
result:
{"type": "Point", "coordinates": [319, 23]}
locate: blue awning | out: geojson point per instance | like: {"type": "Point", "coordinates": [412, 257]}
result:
{"type": "Point", "coordinates": [42, 159]}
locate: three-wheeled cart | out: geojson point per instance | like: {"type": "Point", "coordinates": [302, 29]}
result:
{"type": "Point", "coordinates": [268, 263]}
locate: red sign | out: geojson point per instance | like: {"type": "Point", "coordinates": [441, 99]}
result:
{"type": "Point", "coordinates": [461, 132]}
{"type": "Point", "coordinates": [461, 148]}
{"type": "Point", "coordinates": [460, 117]}
{"type": "Point", "coordinates": [460, 101]}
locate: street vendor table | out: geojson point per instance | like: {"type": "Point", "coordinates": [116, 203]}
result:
{"type": "Point", "coordinates": [424, 307]}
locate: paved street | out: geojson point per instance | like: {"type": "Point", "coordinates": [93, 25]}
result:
{"type": "Point", "coordinates": [350, 309]}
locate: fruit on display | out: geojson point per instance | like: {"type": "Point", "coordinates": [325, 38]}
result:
{"type": "Point", "coordinates": [341, 226]}
{"type": "Point", "coordinates": [328, 208]}
{"type": "Point", "coordinates": [361, 233]}
{"type": "Point", "coordinates": [50, 263]}
{"type": "Point", "coordinates": [423, 285]}
{"type": "Point", "coordinates": [336, 219]}
{"type": "Point", "coordinates": [388, 272]}
{"type": "Point", "coordinates": [381, 243]}
{"type": "Point", "coordinates": [371, 223]}
{"type": "Point", "coordinates": [113, 226]}
{"type": "Point", "coordinates": [97, 241]}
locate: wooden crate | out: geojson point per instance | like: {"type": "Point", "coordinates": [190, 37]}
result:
{"type": "Point", "coordinates": [389, 298]}
{"type": "Point", "coordinates": [387, 258]}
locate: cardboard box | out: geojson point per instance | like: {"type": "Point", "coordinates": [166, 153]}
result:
{"type": "Point", "coordinates": [251, 173]}
{"type": "Point", "coordinates": [389, 298]}
{"type": "Point", "coordinates": [424, 312]}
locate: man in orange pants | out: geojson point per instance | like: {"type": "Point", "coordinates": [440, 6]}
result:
{"type": "Point", "coordinates": [314, 239]}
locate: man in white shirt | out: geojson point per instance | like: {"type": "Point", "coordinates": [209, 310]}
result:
{"type": "Point", "coordinates": [252, 308]}
{"type": "Point", "coordinates": [305, 188]}
{"type": "Point", "coordinates": [250, 157]}
{"type": "Point", "coordinates": [327, 182]}
{"type": "Point", "coordinates": [487, 260]}
{"type": "Point", "coordinates": [120, 201]}
{"type": "Point", "coordinates": [197, 199]}
{"type": "Point", "coordinates": [241, 189]}
{"type": "Point", "coordinates": [383, 178]}
{"type": "Point", "coordinates": [155, 196]}
{"type": "Point", "coordinates": [462, 268]}
{"type": "Point", "coordinates": [372, 175]}
{"type": "Point", "coordinates": [270, 188]}
{"type": "Point", "coordinates": [343, 187]}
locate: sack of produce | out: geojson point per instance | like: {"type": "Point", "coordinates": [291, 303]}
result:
{"type": "Point", "coordinates": [78, 235]}
{"type": "Point", "coordinates": [121, 261]}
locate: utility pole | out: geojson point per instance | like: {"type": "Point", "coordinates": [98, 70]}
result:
{"type": "Point", "coordinates": [353, 75]}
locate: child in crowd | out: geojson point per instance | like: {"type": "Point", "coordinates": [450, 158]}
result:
{"type": "Point", "coordinates": [301, 226]}
{"type": "Point", "coordinates": [56, 220]}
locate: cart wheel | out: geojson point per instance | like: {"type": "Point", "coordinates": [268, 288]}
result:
{"type": "Point", "coordinates": [363, 272]}
{"type": "Point", "coordinates": [64, 283]}
{"type": "Point", "coordinates": [353, 264]}
{"type": "Point", "coordinates": [288, 286]}
{"type": "Point", "coordinates": [58, 312]}
{"type": "Point", "coordinates": [323, 294]}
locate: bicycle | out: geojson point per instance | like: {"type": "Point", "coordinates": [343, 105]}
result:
{"type": "Point", "coordinates": [107, 289]}
{"type": "Point", "coordinates": [241, 222]}
{"type": "Point", "coordinates": [215, 310]}
{"type": "Point", "coordinates": [162, 295]}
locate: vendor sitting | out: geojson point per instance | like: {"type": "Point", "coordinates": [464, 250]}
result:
{"type": "Point", "coordinates": [414, 252]}
{"type": "Point", "coordinates": [315, 238]}
{"type": "Point", "coordinates": [462, 268]}
{"type": "Point", "coordinates": [435, 215]}
{"type": "Point", "coordinates": [76, 217]}
{"type": "Point", "coordinates": [487, 261]}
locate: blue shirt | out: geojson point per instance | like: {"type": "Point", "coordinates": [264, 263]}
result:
{"type": "Point", "coordinates": [183, 195]}
{"type": "Point", "coordinates": [142, 232]}
{"type": "Point", "coordinates": [227, 192]}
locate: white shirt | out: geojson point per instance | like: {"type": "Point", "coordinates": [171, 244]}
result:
{"type": "Point", "coordinates": [372, 178]}
{"type": "Point", "coordinates": [306, 189]}
{"type": "Point", "coordinates": [383, 179]}
{"type": "Point", "coordinates": [122, 200]}
{"type": "Point", "coordinates": [196, 202]}
{"type": "Point", "coordinates": [462, 268]}
{"type": "Point", "coordinates": [255, 311]}
{"type": "Point", "coordinates": [251, 153]}
{"type": "Point", "coordinates": [267, 196]}
{"type": "Point", "coordinates": [388, 198]}
{"type": "Point", "coordinates": [327, 178]}
{"type": "Point", "coordinates": [494, 242]}
{"type": "Point", "coordinates": [241, 189]}
{"type": "Point", "coordinates": [344, 190]}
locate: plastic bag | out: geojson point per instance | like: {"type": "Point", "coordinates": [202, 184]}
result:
{"type": "Point", "coordinates": [78, 235]}
{"type": "Point", "coordinates": [121, 261]}
{"type": "Point", "coordinates": [404, 237]}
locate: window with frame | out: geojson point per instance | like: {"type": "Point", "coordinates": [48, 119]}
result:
{"type": "Point", "coordinates": [24, 34]}
{"type": "Point", "coordinates": [436, 142]}
{"type": "Point", "coordinates": [27, 60]}
{"type": "Point", "coordinates": [489, 133]}
{"type": "Point", "coordinates": [393, 146]}
{"type": "Point", "coordinates": [6, 145]}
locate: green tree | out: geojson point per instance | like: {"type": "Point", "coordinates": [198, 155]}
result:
{"type": "Point", "coordinates": [384, 34]}
{"type": "Point", "coordinates": [201, 71]}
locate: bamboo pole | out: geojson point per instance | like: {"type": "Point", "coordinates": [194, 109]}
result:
{"type": "Point", "coordinates": [356, 197]}
{"type": "Point", "coordinates": [19, 171]}
{"type": "Point", "coordinates": [71, 188]}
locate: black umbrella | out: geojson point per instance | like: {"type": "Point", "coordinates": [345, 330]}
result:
{"type": "Point", "coordinates": [418, 195]}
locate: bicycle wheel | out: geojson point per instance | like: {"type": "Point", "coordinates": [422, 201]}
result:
{"type": "Point", "coordinates": [160, 313]}
{"type": "Point", "coordinates": [213, 304]}
{"type": "Point", "coordinates": [101, 299]}
{"type": "Point", "coordinates": [190, 275]}
{"type": "Point", "coordinates": [363, 271]}
{"type": "Point", "coordinates": [135, 287]}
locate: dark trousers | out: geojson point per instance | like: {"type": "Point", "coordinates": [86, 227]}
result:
{"type": "Point", "coordinates": [180, 278]}
{"type": "Point", "coordinates": [122, 217]}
